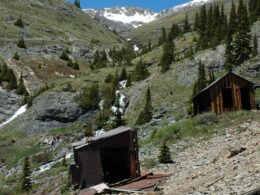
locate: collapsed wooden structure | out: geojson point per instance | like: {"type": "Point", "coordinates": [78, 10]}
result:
{"type": "Point", "coordinates": [107, 158]}
{"type": "Point", "coordinates": [228, 93]}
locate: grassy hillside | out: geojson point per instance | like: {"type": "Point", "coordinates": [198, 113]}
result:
{"type": "Point", "coordinates": [152, 30]}
{"type": "Point", "coordinates": [51, 22]}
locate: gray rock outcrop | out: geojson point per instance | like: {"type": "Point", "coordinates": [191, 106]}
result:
{"type": "Point", "coordinates": [9, 104]}
{"type": "Point", "coordinates": [50, 110]}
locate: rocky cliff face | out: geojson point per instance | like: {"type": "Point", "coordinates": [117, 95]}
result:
{"type": "Point", "coordinates": [51, 110]}
{"type": "Point", "coordinates": [10, 102]}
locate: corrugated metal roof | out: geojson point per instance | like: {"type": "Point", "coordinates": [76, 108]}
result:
{"type": "Point", "coordinates": [216, 81]}
{"type": "Point", "coordinates": [106, 135]}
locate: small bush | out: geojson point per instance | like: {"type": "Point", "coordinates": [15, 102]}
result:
{"type": "Point", "coordinates": [21, 43]}
{"type": "Point", "coordinates": [149, 163]}
{"type": "Point", "coordinates": [19, 22]}
{"type": "Point", "coordinates": [16, 56]}
{"type": "Point", "coordinates": [42, 158]}
{"type": "Point", "coordinates": [206, 119]}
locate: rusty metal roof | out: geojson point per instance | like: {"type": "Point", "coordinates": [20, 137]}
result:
{"type": "Point", "coordinates": [87, 141]}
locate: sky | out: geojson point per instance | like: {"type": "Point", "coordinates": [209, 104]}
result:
{"type": "Point", "coordinates": [155, 5]}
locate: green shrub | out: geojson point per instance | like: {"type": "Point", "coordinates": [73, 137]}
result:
{"type": "Point", "coordinates": [165, 154]}
{"type": "Point", "coordinates": [206, 119]}
{"type": "Point", "coordinates": [149, 163]}
{"type": "Point", "coordinates": [21, 43]}
{"type": "Point", "coordinates": [42, 158]}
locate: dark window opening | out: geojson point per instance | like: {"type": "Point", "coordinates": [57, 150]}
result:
{"type": "Point", "coordinates": [245, 98]}
{"type": "Point", "coordinates": [115, 163]}
{"type": "Point", "coordinates": [227, 98]}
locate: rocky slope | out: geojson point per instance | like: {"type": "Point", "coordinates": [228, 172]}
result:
{"type": "Point", "coordinates": [224, 164]}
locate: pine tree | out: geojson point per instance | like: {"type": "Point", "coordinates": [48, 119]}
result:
{"type": "Point", "coordinates": [255, 47]}
{"type": "Point", "coordinates": [202, 80]}
{"type": "Point", "coordinates": [12, 83]}
{"type": "Point", "coordinates": [64, 56]}
{"type": "Point", "coordinates": [21, 90]}
{"type": "Point", "coordinates": [146, 114]}
{"type": "Point", "coordinates": [123, 75]}
{"type": "Point", "coordinates": [163, 37]}
{"type": "Point", "coordinates": [186, 27]}
{"type": "Point", "coordinates": [76, 65]}
{"type": "Point", "coordinates": [211, 77]}
{"type": "Point", "coordinates": [89, 97]}
{"type": "Point", "coordinates": [21, 43]}
{"type": "Point", "coordinates": [232, 20]}
{"type": "Point", "coordinates": [77, 3]}
{"type": "Point", "coordinates": [19, 22]}
{"type": "Point", "coordinates": [165, 154]}
{"type": "Point", "coordinates": [196, 23]}
{"type": "Point", "coordinates": [129, 81]}
{"type": "Point", "coordinates": [26, 184]}
{"type": "Point", "coordinates": [140, 71]}
{"type": "Point", "coordinates": [16, 56]}
{"type": "Point", "coordinates": [149, 47]}
{"type": "Point", "coordinates": [167, 57]}
{"type": "Point", "coordinates": [252, 6]}
{"type": "Point", "coordinates": [229, 54]}
{"type": "Point", "coordinates": [242, 39]}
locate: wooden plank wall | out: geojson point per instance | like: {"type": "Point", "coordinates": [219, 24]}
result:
{"type": "Point", "coordinates": [235, 83]}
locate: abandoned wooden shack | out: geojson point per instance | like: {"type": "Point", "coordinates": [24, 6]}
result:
{"type": "Point", "coordinates": [107, 158]}
{"type": "Point", "coordinates": [228, 93]}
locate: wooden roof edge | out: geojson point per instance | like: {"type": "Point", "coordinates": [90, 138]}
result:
{"type": "Point", "coordinates": [220, 78]}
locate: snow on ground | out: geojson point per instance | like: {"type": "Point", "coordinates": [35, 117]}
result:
{"type": "Point", "coordinates": [192, 3]}
{"type": "Point", "coordinates": [20, 111]}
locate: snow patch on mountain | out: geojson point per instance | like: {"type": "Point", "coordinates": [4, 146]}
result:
{"type": "Point", "coordinates": [193, 3]}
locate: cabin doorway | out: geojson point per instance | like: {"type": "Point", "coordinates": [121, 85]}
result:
{"type": "Point", "coordinates": [115, 164]}
{"type": "Point", "coordinates": [227, 98]}
{"type": "Point", "coordinates": [245, 99]}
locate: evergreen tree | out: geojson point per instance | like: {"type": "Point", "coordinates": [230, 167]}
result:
{"type": "Point", "coordinates": [77, 3]}
{"type": "Point", "coordinates": [118, 115]}
{"type": "Point", "coordinates": [12, 83]}
{"type": "Point", "coordinates": [165, 154]}
{"type": "Point", "coordinates": [21, 43]}
{"type": "Point", "coordinates": [19, 22]}
{"type": "Point", "coordinates": [16, 56]}
{"type": "Point", "coordinates": [252, 8]}
{"type": "Point", "coordinates": [21, 90]}
{"type": "Point", "coordinates": [146, 114]}
{"type": "Point", "coordinates": [167, 57]}
{"type": "Point", "coordinates": [129, 81]}
{"type": "Point", "coordinates": [211, 77]}
{"type": "Point", "coordinates": [76, 65]}
{"type": "Point", "coordinates": [64, 56]}
{"type": "Point", "coordinates": [26, 184]}
{"type": "Point", "coordinates": [232, 20]}
{"type": "Point", "coordinates": [242, 39]}
{"type": "Point", "coordinates": [255, 46]}
{"type": "Point", "coordinates": [163, 37]}
{"type": "Point", "coordinates": [202, 80]}
{"type": "Point", "coordinates": [186, 27]}
{"type": "Point", "coordinates": [140, 71]}
{"type": "Point", "coordinates": [149, 47]}
{"type": "Point", "coordinates": [196, 23]}
{"type": "Point", "coordinates": [89, 97]}
{"type": "Point", "coordinates": [123, 75]}
{"type": "Point", "coordinates": [229, 54]}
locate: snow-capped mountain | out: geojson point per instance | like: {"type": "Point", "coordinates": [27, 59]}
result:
{"type": "Point", "coordinates": [133, 17]}
{"type": "Point", "coordinates": [126, 18]}
{"type": "Point", "coordinates": [188, 5]}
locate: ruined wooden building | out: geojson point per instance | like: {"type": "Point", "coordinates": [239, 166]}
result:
{"type": "Point", "coordinates": [229, 93]}
{"type": "Point", "coordinates": [109, 158]}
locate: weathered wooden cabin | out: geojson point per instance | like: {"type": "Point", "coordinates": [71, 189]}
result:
{"type": "Point", "coordinates": [228, 93]}
{"type": "Point", "coordinates": [108, 158]}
